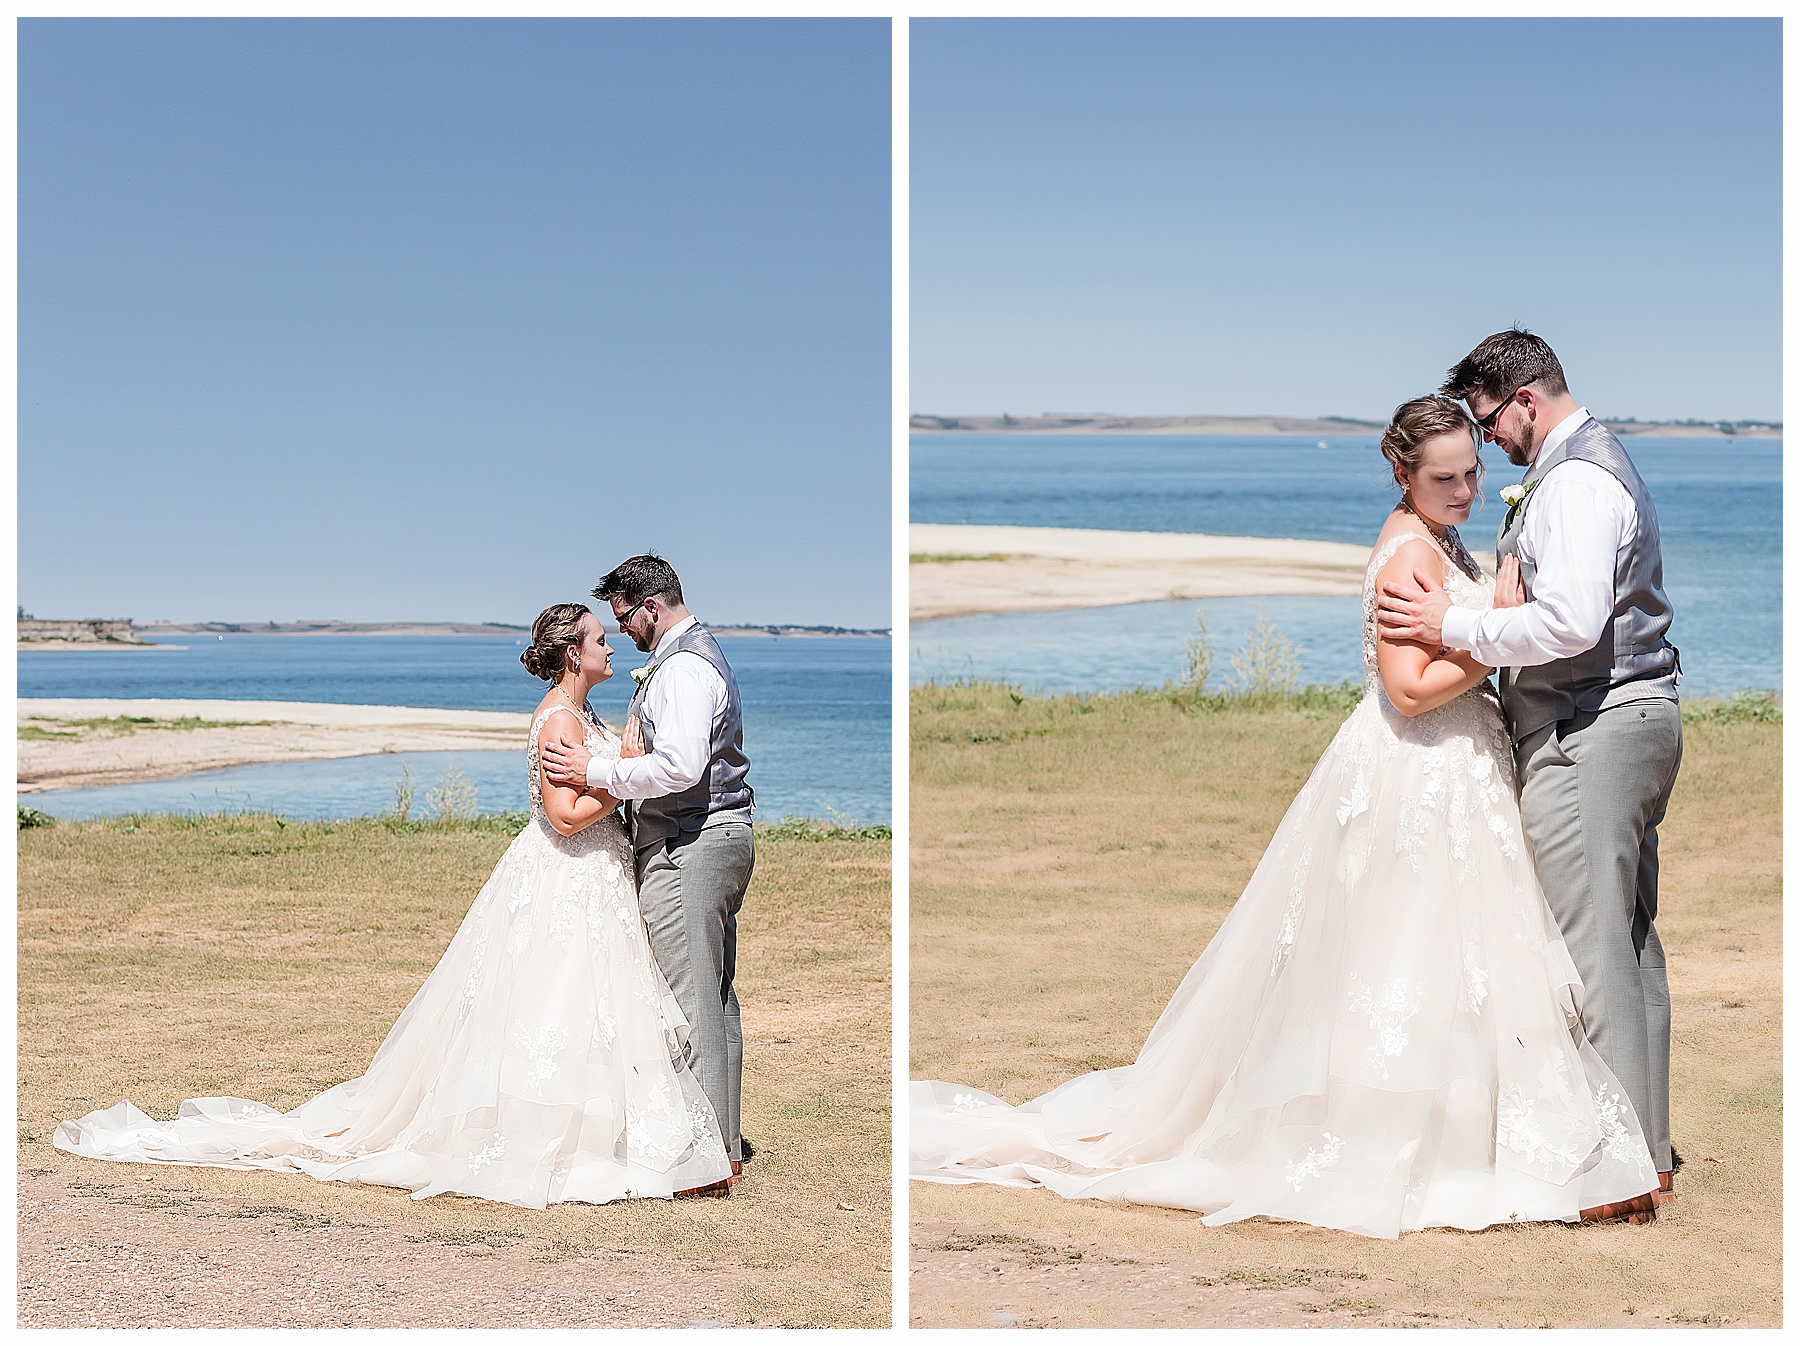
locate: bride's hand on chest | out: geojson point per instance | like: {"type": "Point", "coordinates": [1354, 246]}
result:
{"type": "Point", "coordinates": [1509, 588]}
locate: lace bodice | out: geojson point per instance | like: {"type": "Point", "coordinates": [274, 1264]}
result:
{"type": "Point", "coordinates": [1465, 590]}
{"type": "Point", "coordinates": [598, 739]}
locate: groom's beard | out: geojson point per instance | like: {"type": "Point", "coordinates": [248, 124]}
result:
{"type": "Point", "coordinates": [1519, 454]}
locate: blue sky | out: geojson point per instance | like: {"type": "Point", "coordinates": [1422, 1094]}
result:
{"type": "Point", "coordinates": [439, 319]}
{"type": "Point", "coordinates": [1318, 217]}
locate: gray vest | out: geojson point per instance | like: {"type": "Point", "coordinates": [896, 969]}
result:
{"type": "Point", "coordinates": [1633, 660]}
{"type": "Point", "coordinates": [723, 791]}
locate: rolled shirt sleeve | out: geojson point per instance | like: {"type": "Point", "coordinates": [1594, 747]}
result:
{"type": "Point", "coordinates": [1579, 518]}
{"type": "Point", "coordinates": [684, 699]}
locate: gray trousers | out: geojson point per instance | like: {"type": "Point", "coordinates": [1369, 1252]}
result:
{"type": "Point", "coordinates": [690, 889]}
{"type": "Point", "coordinates": [1592, 791]}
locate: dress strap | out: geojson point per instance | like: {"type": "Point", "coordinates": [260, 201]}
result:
{"type": "Point", "coordinates": [1392, 545]}
{"type": "Point", "coordinates": [537, 722]}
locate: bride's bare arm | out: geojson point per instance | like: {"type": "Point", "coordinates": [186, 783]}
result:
{"type": "Point", "coordinates": [569, 810]}
{"type": "Point", "coordinates": [1415, 678]}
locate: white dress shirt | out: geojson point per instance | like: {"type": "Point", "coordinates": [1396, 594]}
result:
{"type": "Point", "coordinates": [685, 697]}
{"type": "Point", "coordinates": [1577, 520]}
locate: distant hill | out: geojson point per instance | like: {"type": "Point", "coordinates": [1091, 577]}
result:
{"type": "Point", "coordinates": [332, 628]}
{"type": "Point", "coordinates": [328, 628]}
{"type": "Point", "coordinates": [1105, 423]}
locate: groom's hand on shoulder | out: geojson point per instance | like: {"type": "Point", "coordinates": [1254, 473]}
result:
{"type": "Point", "coordinates": [566, 763]}
{"type": "Point", "coordinates": [1413, 609]}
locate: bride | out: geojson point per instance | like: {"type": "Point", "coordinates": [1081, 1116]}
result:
{"type": "Point", "coordinates": [540, 1062]}
{"type": "Point", "coordinates": [1384, 1034]}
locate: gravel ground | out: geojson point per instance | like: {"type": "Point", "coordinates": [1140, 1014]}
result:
{"type": "Point", "coordinates": [963, 1275]}
{"type": "Point", "coordinates": [123, 1249]}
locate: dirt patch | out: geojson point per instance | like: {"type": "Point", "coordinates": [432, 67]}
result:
{"type": "Point", "coordinates": [147, 1253]}
{"type": "Point", "coordinates": [966, 1276]}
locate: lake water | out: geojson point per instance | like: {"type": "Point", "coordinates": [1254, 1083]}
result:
{"type": "Point", "coordinates": [1718, 504]}
{"type": "Point", "coordinates": [817, 718]}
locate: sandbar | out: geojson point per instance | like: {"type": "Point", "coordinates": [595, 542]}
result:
{"type": "Point", "coordinates": [233, 733]}
{"type": "Point", "coordinates": [959, 570]}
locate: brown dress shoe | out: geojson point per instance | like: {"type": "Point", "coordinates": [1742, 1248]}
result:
{"type": "Point", "coordinates": [1665, 1188]}
{"type": "Point", "coordinates": [1638, 1210]}
{"type": "Point", "coordinates": [720, 1188]}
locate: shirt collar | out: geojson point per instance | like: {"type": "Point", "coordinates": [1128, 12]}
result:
{"type": "Point", "coordinates": [1561, 431]}
{"type": "Point", "coordinates": [669, 636]}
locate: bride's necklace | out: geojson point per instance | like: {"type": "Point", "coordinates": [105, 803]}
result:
{"type": "Point", "coordinates": [1442, 535]}
{"type": "Point", "coordinates": [580, 706]}
{"type": "Point", "coordinates": [1449, 539]}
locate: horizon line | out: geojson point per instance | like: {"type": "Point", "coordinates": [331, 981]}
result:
{"type": "Point", "coordinates": [1292, 416]}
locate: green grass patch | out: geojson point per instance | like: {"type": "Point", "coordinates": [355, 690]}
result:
{"type": "Point", "coordinates": [815, 829]}
{"type": "Point", "coordinates": [116, 725]}
{"type": "Point", "coordinates": [1743, 707]}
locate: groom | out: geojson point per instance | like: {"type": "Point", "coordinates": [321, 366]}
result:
{"type": "Point", "coordinates": [1587, 679]}
{"type": "Point", "coordinates": [689, 811]}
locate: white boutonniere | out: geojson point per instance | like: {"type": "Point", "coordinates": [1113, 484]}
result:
{"type": "Point", "coordinates": [1514, 496]}
{"type": "Point", "coordinates": [641, 675]}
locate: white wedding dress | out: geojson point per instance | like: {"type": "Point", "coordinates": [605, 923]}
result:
{"type": "Point", "coordinates": [540, 1062]}
{"type": "Point", "coordinates": [1382, 1036]}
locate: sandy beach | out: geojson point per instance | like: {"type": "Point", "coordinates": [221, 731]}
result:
{"type": "Point", "coordinates": [958, 569]}
{"type": "Point", "coordinates": [68, 741]}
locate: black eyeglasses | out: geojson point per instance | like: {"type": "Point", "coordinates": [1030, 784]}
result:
{"type": "Point", "coordinates": [625, 616]}
{"type": "Point", "coordinates": [1485, 424]}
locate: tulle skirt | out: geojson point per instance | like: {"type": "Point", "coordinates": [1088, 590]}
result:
{"type": "Point", "coordinates": [540, 1062]}
{"type": "Point", "coordinates": [1383, 1035]}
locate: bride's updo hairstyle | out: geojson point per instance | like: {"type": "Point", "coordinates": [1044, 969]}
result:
{"type": "Point", "coordinates": [1421, 419]}
{"type": "Point", "coordinates": [557, 627]}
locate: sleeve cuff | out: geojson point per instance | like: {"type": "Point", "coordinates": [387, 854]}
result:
{"type": "Point", "coordinates": [596, 773]}
{"type": "Point", "coordinates": [1459, 628]}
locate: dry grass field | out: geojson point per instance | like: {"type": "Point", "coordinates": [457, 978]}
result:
{"type": "Point", "coordinates": [162, 958]}
{"type": "Point", "coordinates": [1072, 856]}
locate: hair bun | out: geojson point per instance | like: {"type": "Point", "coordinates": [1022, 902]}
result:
{"type": "Point", "coordinates": [556, 629]}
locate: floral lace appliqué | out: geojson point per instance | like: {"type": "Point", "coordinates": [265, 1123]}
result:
{"type": "Point", "coordinates": [1516, 1127]}
{"type": "Point", "coordinates": [541, 1046]}
{"type": "Point", "coordinates": [486, 1155]}
{"type": "Point", "coordinates": [704, 1132]}
{"type": "Point", "coordinates": [1388, 1006]}
{"type": "Point", "coordinates": [1620, 1144]}
{"type": "Point", "coordinates": [1318, 1159]}
{"type": "Point", "coordinates": [1475, 977]}
{"type": "Point", "coordinates": [1296, 908]}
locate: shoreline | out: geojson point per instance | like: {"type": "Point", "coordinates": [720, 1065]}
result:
{"type": "Point", "coordinates": [27, 646]}
{"type": "Point", "coordinates": [1103, 423]}
{"type": "Point", "coordinates": [155, 739]}
{"type": "Point", "coordinates": [444, 629]}
{"type": "Point", "coordinates": [774, 629]}
{"type": "Point", "coordinates": [962, 570]}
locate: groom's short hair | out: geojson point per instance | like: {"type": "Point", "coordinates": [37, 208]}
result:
{"type": "Point", "coordinates": [1505, 363]}
{"type": "Point", "coordinates": [638, 578]}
